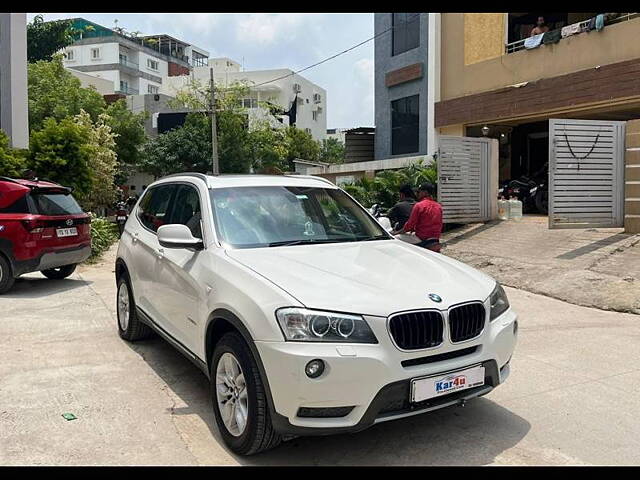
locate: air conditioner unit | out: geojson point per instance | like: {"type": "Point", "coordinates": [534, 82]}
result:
{"type": "Point", "coordinates": [317, 98]}
{"type": "Point", "coordinates": [297, 88]}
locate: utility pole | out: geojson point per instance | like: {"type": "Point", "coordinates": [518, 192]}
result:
{"type": "Point", "coordinates": [214, 134]}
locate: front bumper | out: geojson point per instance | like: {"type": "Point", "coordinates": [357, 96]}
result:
{"type": "Point", "coordinates": [372, 379]}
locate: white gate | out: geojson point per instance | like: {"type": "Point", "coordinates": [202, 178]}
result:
{"type": "Point", "coordinates": [467, 179]}
{"type": "Point", "coordinates": [586, 173]}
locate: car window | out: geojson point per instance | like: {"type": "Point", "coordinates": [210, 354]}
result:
{"type": "Point", "coordinates": [186, 209]}
{"type": "Point", "coordinates": [154, 207]}
{"type": "Point", "coordinates": [18, 206]}
{"type": "Point", "coordinates": [250, 217]}
{"type": "Point", "coordinates": [55, 204]}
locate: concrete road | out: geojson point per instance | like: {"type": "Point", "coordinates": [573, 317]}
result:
{"type": "Point", "coordinates": [573, 396]}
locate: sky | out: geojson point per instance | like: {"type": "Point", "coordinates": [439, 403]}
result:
{"type": "Point", "coordinates": [266, 41]}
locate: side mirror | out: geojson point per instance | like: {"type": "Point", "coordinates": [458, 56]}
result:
{"type": "Point", "coordinates": [177, 235]}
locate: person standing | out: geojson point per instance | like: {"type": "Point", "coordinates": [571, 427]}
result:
{"type": "Point", "coordinates": [401, 211]}
{"type": "Point", "coordinates": [541, 27]}
{"type": "Point", "coordinates": [425, 219]}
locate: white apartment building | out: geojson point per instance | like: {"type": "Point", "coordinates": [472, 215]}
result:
{"type": "Point", "coordinates": [135, 65]}
{"type": "Point", "coordinates": [279, 86]}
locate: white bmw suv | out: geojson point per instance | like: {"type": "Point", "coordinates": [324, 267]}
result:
{"type": "Point", "coordinates": [305, 314]}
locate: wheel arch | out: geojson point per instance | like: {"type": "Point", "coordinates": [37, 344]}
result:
{"type": "Point", "coordinates": [222, 321]}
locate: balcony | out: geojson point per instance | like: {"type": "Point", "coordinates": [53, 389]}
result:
{"type": "Point", "coordinates": [129, 64]}
{"type": "Point", "coordinates": [125, 90]}
{"type": "Point", "coordinates": [581, 27]}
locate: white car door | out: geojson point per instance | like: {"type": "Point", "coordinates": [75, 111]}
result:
{"type": "Point", "coordinates": [177, 295]}
{"type": "Point", "coordinates": [152, 213]}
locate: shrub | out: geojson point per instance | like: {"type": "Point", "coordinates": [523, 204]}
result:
{"type": "Point", "coordinates": [103, 235]}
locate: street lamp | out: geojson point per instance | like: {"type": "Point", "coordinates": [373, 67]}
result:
{"type": "Point", "coordinates": [485, 130]}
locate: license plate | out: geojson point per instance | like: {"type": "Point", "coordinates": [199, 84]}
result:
{"type": "Point", "coordinates": [436, 386]}
{"type": "Point", "coordinates": [121, 219]}
{"type": "Point", "coordinates": [67, 232]}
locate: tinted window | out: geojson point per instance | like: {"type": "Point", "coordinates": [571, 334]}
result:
{"type": "Point", "coordinates": [405, 125]}
{"type": "Point", "coordinates": [249, 217]}
{"type": "Point", "coordinates": [55, 204]}
{"type": "Point", "coordinates": [154, 207]}
{"type": "Point", "coordinates": [406, 32]}
{"type": "Point", "coordinates": [186, 210]}
{"type": "Point", "coordinates": [18, 206]}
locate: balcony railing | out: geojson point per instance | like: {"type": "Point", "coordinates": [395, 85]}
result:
{"type": "Point", "coordinates": [519, 44]}
{"type": "Point", "coordinates": [129, 64]}
{"type": "Point", "coordinates": [127, 90]}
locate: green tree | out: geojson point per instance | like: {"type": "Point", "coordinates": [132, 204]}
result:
{"type": "Point", "coordinates": [60, 152]}
{"type": "Point", "coordinates": [12, 161]}
{"type": "Point", "coordinates": [183, 149]}
{"type": "Point", "coordinates": [55, 92]}
{"type": "Point", "coordinates": [44, 39]}
{"type": "Point", "coordinates": [101, 145]}
{"type": "Point", "coordinates": [128, 128]}
{"type": "Point", "coordinates": [300, 144]}
{"type": "Point", "coordinates": [268, 149]}
{"type": "Point", "coordinates": [332, 151]}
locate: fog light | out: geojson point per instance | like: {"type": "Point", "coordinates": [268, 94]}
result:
{"type": "Point", "coordinates": [314, 368]}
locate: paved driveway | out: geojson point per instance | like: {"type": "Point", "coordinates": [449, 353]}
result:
{"type": "Point", "coordinates": [573, 396]}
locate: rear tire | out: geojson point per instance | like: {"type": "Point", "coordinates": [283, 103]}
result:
{"type": "Point", "coordinates": [60, 272]}
{"type": "Point", "coordinates": [6, 275]}
{"type": "Point", "coordinates": [257, 433]}
{"type": "Point", "coordinates": [130, 328]}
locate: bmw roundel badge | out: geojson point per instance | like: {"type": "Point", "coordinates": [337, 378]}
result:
{"type": "Point", "coordinates": [435, 298]}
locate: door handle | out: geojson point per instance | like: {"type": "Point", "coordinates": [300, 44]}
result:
{"type": "Point", "coordinates": [160, 253]}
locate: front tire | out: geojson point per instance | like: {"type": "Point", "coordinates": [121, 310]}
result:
{"type": "Point", "coordinates": [59, 273]}
{"type": "Point", "coordinates": [6, 275]}
{"type": "Point", "coordinates": [239, 398]}
{"type": "Point", "coordinates": [129, 327]}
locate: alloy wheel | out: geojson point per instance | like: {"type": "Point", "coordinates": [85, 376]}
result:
{"type": "Point", "coordinates": [231, 394]}
{"type": "Point", "coordinates": [123, 306]}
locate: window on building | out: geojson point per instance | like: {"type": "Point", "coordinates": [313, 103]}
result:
{"type": "Point", "coordinates": [406, 32]}
{"type": "Point", "coordinates": [95, 53]}
{"type": "Point", "coordinates": [405, 125]}
{"type": "Point", "coordinates": [152, 89]}
{"type": "Point", "coordinates": [250, 102]}
{"type": "Point", "coordinates": [315, 115]}
{"type": "Point", "coordinates": [308, 130]}
{"type": "Point", "coordinates": [70, 55]}
{"type": "Point", "coordinates": [152, 64]}
{"type": "Point", "coordinates": [199, 60]}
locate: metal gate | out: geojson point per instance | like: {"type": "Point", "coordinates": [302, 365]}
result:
{"type": "Point", "coordinates": [586, 173]}
{"type": "Point", "coordinates": [467, 178]}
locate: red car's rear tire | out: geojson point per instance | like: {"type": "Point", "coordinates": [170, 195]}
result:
{"type": "Point", "coordinates": [59, 272]}
{"type": "Point", "coordinates": [6, 275]}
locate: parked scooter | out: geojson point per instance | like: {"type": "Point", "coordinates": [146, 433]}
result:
{"type": "Point", "coordinates": [122, 213]}
{"type": "Point", "coordinates": [379, 214]}
{"type": "Point", "coordinates": [533, 194]}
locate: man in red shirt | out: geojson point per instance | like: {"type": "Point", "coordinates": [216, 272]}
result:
{"type": "Point", "coordinates": [425, 219]}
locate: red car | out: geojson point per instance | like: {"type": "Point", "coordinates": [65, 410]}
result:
{"type": "Point", "coordinates": [42, 228]}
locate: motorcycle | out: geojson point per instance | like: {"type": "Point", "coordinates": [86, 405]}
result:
{"type": "Point", "coordinates": [122, 213]}
{"type": "Point", "coordinates": [533, 194]}
{"type": "Point", "coordinates": [379, 214]}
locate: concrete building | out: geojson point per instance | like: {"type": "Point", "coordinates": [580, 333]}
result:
{"type": "Point", "coordinates": [279, 86]}
{"type": "Point", "coordinates": [406, 83]}
{"type": "Point", "coordinates": [104, 86]}
{"type": "Point", "coordinates": [14, 119]}
{"type": "Point", "coordinates": [135, 65]}
{"type": "Point", "coordinates": [562, 106]}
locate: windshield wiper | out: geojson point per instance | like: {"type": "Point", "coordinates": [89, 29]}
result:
{"type": "Point", "coordinates": [374, 237]}
{"type": "Point", "coordinates": [300, 242]}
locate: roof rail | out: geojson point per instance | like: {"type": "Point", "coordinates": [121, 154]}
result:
{"type": "Point", "coordinates": [7, 179]}
{"type": "Point", "coordinates": [201, 176]}
{"type": "Point", "coordinates": [314, 177]}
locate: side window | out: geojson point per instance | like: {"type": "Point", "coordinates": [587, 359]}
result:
{"type": "Point", "coordinates": [186, 210]}
{"type": "Point", "coordinates": [153, 208]}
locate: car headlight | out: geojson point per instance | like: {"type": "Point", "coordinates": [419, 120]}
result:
{"type": "Point", "coordinates": [303, 325]}
{"type": "Point", "coordinates": [498, 301]}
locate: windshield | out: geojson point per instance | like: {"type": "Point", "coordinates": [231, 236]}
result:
{"type": "Point", "coordinates": [249, 217]}
{"type": "Point", "coordinates": [55, 204]}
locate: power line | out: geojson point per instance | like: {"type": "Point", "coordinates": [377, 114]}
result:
{"type": "Point", "coordinates": [411, 19]}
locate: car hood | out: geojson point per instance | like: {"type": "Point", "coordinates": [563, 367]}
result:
{"type": "Point", "coordinates": [371, 278]}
